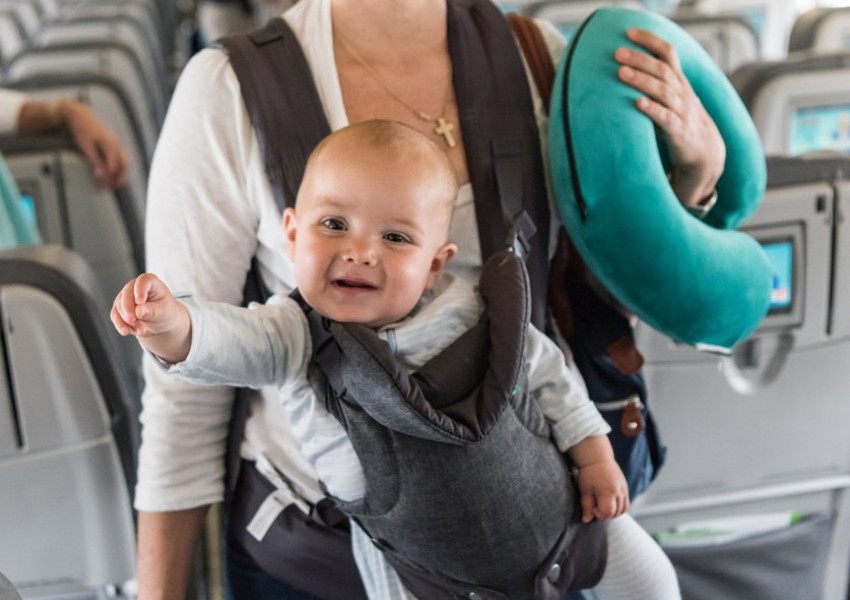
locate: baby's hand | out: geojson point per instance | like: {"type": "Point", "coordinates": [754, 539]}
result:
{"type": "Point", "coordinates": [604, 491]}
{"type": "Point", "coordinates": [146, 309]}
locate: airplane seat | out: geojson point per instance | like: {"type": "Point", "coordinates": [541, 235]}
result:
{"type": "Point", "coordinates": [114, 59]}
{"type": "Point", "coordinates": [567, 15]}
{"type": "Point", "coordinates": [754, 499]}
{"type": "Point", "coordinates": [104, 227]}
{"type": "Point", "coordinates": [800, 104]}
{"type": "Point", "coordinates": [730, 40]}
{"type": "Point", "coordinates": [12, 36]}
{"type": "Point", "coordinates": [821, 30]}
{"type": "Point", "coordinates": [47, 8]}
{"type": "Point", "coordinates": [145, 14]}
{"type": "Point", "coordinates": [770, 19]}
{"type": "Point", "coordinates": [161, 19]}
{"type": "Point", "coordinates": [136, 23]}
{"type": "Point", "coordinates": [27, 14]}
{"type": "Point", "coordinates": [68, 432]}
{"type": "Point", "coordinates": [119, 29]}
{"type": "Point", "coordinates": [7, 590]}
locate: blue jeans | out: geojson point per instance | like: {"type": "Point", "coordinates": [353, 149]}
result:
{"type": "Point", "coordinates": [244, 580]}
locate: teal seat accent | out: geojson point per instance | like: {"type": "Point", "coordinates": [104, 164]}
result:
{"type": "Point", "coordinates": [699, 282]}
{"type": "Point", "coordinates": [15, 228]}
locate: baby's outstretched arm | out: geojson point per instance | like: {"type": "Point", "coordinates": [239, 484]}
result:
{"type": "Point", "coordinates": [146, 309]}
{"type": "Point", "coordinates": [603, 487]}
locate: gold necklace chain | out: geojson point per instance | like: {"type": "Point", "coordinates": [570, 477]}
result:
{"type": "Point", "coordinates": [443, 127]}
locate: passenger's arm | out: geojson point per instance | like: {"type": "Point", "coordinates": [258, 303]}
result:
{"type": "Point", "coordinates": [99, 145]}
{"type": "Point", "coordinates": [166, 547]}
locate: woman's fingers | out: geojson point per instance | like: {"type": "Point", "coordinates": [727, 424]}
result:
{"type": "Point", "coordinates": [696, 147]}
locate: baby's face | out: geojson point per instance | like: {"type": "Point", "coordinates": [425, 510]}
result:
{"type": "Point", "coordinates": [367, 237]}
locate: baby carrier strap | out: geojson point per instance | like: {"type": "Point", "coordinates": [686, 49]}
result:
{"type": "Point", "coordinates": [501, 138]}
{"type": "Point", "coordinates": [439, 402]}
{"type": "Point", "coordinates": [282, 102]}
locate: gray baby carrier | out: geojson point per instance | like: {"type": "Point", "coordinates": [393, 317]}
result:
{"type": "Point", "coordinates": [467, 495]}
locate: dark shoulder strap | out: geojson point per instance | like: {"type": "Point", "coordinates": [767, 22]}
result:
{"type": "Point", "coordinates": [501, 138]}
{"type": "Point", "coordinates": [282, 102]}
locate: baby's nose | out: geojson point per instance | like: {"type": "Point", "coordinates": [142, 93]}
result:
{"type": "Point", "coordinates": [362, 253]}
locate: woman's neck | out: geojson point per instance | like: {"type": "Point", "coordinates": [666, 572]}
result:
{"type": "Point", "coordinates": [383, 30]}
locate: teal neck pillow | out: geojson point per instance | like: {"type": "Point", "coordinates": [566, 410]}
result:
{"type": "Point", "coordinates": [699, 282]}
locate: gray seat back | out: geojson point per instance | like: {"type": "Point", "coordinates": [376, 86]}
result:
{"type": "Point", "coordinates": [12, 35]}
{"type": "Point", "coordinates": [730, 40]}
{"type": "Point", "coordinates": [104, 227]}
{"type": "Point", "coordinates": [821, 30]}
{"type": "Point", "coordinates": [112, 59]}
{"type": "Point", "coordinates": [799, 104]}
{"type": "Point", "coordinates": [68, 427]}
{"type": "Point", "coordinates": [766, 425]}
{"type": "Point", "coordinates": [770, 19]}
{"type": "Point", "coordinates": [114, 29]}
{"type": "Point", "coordinates": [567, 15]}
{"type": "Point", "coordinates": [27, 12]}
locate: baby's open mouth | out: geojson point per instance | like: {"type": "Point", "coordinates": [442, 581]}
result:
{"type": "Point", "coordinates": [354, 283]}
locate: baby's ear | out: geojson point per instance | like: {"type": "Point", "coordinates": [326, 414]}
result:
{"type": "Point", "coordinates": [442, 257]}
{"type": "Point", "coordinates": [290, 229]}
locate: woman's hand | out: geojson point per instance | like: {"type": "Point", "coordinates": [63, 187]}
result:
{"type": "Point", "coordinates": [696, 148]}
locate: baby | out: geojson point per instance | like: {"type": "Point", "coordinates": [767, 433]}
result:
{"type": "Point", "coordinates": [368, 239]}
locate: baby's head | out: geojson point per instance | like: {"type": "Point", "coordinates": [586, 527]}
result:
{"type": "Point", "coordinates": [369, 232]}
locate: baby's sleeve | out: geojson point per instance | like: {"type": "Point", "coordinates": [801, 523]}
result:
{"type": "Point", "coordinates": [265, 344]}
{"type": "Point", "coordinates": [560, 392]}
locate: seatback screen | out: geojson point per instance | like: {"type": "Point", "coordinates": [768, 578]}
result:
{"type": "Point", "coordinates": [781, 255]}
{"type": "Point", "coordinates": [28, 205]}
{"type": "Point", "coordinates": [820, 128]}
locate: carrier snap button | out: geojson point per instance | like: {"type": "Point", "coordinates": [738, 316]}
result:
{"type": "Point", "coordinates": [380, 544]}
{"type": "Point", "coordinates": [554, 573]}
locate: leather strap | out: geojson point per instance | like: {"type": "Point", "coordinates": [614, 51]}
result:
{"type": "Point", "coordinates": [536, 54]}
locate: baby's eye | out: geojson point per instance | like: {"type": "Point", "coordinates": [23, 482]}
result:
{"type": "Point", "coordinates": [334, 224]}
{"type": "Point", "coordinates": [397, 238]}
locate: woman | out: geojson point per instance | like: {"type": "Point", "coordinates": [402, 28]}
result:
{"type": "Point", "coordinates": [211, 210]}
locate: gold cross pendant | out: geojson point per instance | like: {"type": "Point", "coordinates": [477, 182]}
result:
{"type": "Point", "coordinates": [444, 128]}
